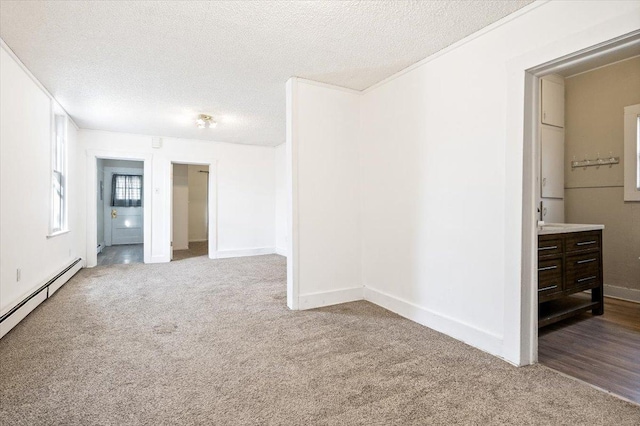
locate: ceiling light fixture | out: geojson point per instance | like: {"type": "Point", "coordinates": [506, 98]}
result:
{"type": "Point", "coordinates": [204, 119]}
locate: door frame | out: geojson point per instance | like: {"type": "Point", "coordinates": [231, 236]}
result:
{"type": "Point", "coordinates": [108, 237]}
{"type": "Point", "coordinates": [92, 197]}
{"type": "Point", "coordinates": [212, 202]}
{"type": "Point", "coordinates": [528, 326]}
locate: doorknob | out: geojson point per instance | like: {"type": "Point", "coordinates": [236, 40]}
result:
{"type": "Point", "coordinates": [114, 214]}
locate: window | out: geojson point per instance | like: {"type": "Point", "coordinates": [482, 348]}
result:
{"type": "Point", "coordinates": [632, 153]}
{"type": "Point", "coordinates": [126, 191]}
{"type": "Point", "coordinates": [58, 175]}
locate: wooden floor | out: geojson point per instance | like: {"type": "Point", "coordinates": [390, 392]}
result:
{"type": "Point", "coordinates": [601, 350]}
{"type": "Point", "coordinates": [196, 248]}
{"type": "Point", "coordinates": [129, 253]}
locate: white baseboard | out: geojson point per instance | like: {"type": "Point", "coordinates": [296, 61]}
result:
{"type": "Point", "coordinates": [466, 333]}
{"type": "Point", "coordinates": [630, 294]}
{"type": "Point", "coordinates": [327, 298]}
{"type": "Point", "coordinates": [225, 254]}
{"type": "Point", "coordinates": [198, 241]}
{"type": "Point", "coordinates": [24, 310]}
{"type": "Point", "coordinates": [181, 248]}
{"type": "Point", "coordinates": [281, 251]}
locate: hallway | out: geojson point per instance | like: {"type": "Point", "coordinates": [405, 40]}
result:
{"type": "Point", "coordinates": [121, 254]}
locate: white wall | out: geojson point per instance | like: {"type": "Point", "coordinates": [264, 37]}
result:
{"type": "Point", "coordinates": [198, 202]}
{"type": "Point", "coordinates": [280, 153]}
{"type": "Point", "coordinates": [245, 188]}
{"type": "Point", "coordinates": [441, 168]}
{"type": "Point", "coordinates": [25, 182]}
{"type": "Point", "coordinates": [180, 213]}
{"type": "Point", "coordinates": [326, 202]}
{"type": "Point", "coordinates": [442, 173]}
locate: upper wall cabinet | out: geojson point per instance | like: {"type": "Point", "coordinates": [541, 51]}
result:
{"type": "Point", "coordinates": [552, 100]}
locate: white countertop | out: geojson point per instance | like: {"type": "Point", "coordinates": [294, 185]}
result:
{"type": "Point", "coordinates": [563, 228]}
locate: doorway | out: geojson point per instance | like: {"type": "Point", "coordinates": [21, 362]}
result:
{"type": "Point", "coordinates": [190, 211]}
{"type": "Point", "coordinates": [591, 246]}
{"type": "Point", "coordinates": [119, 211]}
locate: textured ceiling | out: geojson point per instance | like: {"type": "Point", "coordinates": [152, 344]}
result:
{"type": "Point", "coordinates": [151, 67]}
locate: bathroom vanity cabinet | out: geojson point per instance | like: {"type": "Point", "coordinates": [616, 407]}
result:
{"type": "Point", "coordinates": [569, 262]}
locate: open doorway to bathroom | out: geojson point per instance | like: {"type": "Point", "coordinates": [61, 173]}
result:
{"type": "Point", "coordinates": [120, 211]}
{"type": "Point", "coordinates": [190, 211]}
{"type": "Point", "coordinates": [585, 164]}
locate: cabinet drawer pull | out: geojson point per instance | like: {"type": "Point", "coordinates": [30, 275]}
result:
{"type": "Point", "coordinates": [548, 248]}
{"type": "Point", "coordinates": [548, 268]}
{"type": "Point", "coordinates": [592, 277]}
{"type": "Point", "coordinates": [580, 262]}
{"type": "Point", "coordinates": [585, 243]}
{"type": "Point", "coordinates": [548, 288]}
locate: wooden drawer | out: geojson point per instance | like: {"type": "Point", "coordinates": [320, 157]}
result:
{"type": "Point", "coordinates": [583, 270]}
{"type": "Point", "coordinates": [549, 245]}
{"type": "Point", "coordinates": [550, 273]}
{"type": "Point", "coordinates": [581, 241]}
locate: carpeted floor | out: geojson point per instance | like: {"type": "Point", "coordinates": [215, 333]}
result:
{"type": "Point", "coordinates": [212, 342]}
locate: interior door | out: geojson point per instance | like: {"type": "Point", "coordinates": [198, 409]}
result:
{"type": "Point", "coordinates": [126, 225]}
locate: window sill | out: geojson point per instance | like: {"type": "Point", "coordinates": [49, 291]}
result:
{"type": "Point", "coordinates": [55, 234]}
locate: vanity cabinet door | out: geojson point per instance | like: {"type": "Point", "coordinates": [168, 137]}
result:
{"type": "Point", "coordinates": [583, 270]}
{"type": "Point", "coordinates": [550, 273]}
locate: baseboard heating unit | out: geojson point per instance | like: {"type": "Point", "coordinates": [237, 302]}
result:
{"type": "Point", "coordinates": [29, 303]}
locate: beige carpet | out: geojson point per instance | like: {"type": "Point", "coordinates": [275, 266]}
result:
{"type": "Point", "coordinates": [211, 342]}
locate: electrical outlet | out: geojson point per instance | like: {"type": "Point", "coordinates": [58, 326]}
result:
{"type": "Point", "coordinates": [18, 274]}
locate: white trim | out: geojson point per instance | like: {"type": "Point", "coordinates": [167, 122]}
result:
{"type": "Point", "coordinates": [55, 234]}
{"type": "Point", "coordinates": [602, 66]}
{"type": "Point", "coordinates": [13, 56]}
{"type": "Point", "coordinates": [631, 148]}
{"type": "Point", "coordinates": [459, 43]}
{"type": "Point", "coordinates": [629, 294]}
{"type": "Point", "coordinates": [328, 298]}
{"type": "Point", "coordinates": [212, 200]}
{"type": "Point", "coordinates": [293, 243]}
{"type": "Point", "coordinates": [328, 86]}
{"type": "Point", "coordinates": [225, 254]}
{"type": "Point", "coordinates": [467, 333]}
{"type": "Point", "coordinates": [281, 251]}
{"type": "Point", "coordinates": [200, 240]}
{"type": "Point", "coordinates": [91, 200]}
{"type": "Point", "coordinates": [28, 307]}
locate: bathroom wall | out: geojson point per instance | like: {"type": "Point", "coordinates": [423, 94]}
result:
{"type": "Point", "coordinates": [594, 110]}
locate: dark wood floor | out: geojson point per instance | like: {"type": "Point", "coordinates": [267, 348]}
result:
{"type": "Point", "coordinates": [128, 253]}
{"type": "Point", "coordinates": [600, 350]}
{"type": "Point", "coordinates": [196, 248]}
